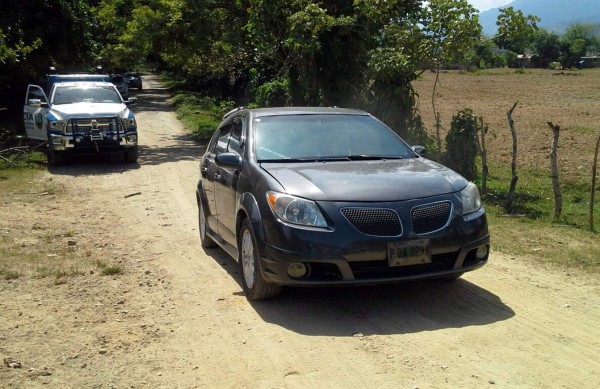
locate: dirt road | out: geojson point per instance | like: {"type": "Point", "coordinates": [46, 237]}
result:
{"type": "Point", "coordinates": [176, 317]}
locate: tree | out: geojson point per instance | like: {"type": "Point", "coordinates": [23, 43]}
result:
{"type": "Point", "coordinates": [547, 45]}
{"type": "Point", "coordinates": [450, 28]}
{"type": "Point", "coordinates": [38, 34]}
{"type": "Point", "coordinates": [577, 40]}
{"type": "Point", "coordinates": [515, 30]}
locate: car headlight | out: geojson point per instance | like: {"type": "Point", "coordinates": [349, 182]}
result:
{"type": "Point", "coordinates": [471, 200]}
{"type": "Point", "coordinates": [295, 210]}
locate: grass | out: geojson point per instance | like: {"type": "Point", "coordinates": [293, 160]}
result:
{"type": "Point", "coordinates": [37, 245]}
{"type": "Point", "coordinates": [530, 228]}
{"type": "Point", "coordinates": [200, 114]}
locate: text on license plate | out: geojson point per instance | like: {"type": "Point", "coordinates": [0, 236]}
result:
{"type": "Point", "coordinates": [412, 252]}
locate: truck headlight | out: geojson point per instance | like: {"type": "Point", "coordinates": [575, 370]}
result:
{"type": "Point", "coordinates": [295, 210]}
{"type": "Point", "coordinates": [471, 201]}
{"type": "Point", "coordinates": [58, 125]}
{"type": "Point", "coordinates": [129, 122]}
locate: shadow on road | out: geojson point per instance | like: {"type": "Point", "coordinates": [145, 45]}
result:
{"type": "Point", "coordinates": [152, 100]}
{"type": "Point", "coordinates": [409, 307]}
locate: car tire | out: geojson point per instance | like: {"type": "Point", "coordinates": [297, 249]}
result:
{"type": "Point", "coordinates": [205, 241]}
{"type": "Point", "coordinates": [255, 286]}
{"type": "Point", "coordinates": [55, 158]}
{"type": "Point", "coordinates": [131, 155]}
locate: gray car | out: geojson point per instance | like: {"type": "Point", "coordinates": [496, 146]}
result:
{"type": "Point", "coordinates": [332, 196]}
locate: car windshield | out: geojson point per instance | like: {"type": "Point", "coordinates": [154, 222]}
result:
{"type": "Point", "coordinates": [79, 94]}
{"type": "Point", "coordinates": [326, 137]}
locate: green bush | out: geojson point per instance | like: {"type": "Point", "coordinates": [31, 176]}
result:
{"type": "Point", "coordinates": [461, 144]}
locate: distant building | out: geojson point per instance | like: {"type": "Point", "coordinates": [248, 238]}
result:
{"type": "Point", "coordinates": [590, 62]}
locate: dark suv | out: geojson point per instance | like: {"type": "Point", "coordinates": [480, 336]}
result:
{"type": "Point", "coordinates": [332, 196]}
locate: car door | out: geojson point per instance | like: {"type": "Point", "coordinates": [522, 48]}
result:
{"type": "Point", "coordinates": [226, 184]}
{"type": "Point", "coordinates": [209, 172]}
{"type": "Point", "coordinates": [34, 113]}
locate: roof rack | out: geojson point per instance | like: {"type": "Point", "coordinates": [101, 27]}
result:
{"type": "Point", "coordinates": [232, 111]}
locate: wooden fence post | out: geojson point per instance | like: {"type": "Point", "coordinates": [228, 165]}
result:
{"type": "Point", "coordinates": [513, 165]}
{"type": "Point", "coordinates": [593, 191]}
{"type": "Point", "coordinates": [554, 167]}
{"type": "Point", "coordinates": [482, 130]}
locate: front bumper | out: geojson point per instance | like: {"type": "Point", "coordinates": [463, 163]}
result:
{"type": "Point", "coordinates": [99, 142]}
{"type": "Point", "coordinates": [344, 256]}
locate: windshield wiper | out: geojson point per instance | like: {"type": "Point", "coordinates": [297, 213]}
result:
{"type": "Point", "coordinates": [367, 157]}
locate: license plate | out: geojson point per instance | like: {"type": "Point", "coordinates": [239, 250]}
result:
{"type": "Point", "coordinates": [412, 252]}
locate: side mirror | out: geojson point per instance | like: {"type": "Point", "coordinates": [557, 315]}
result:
{"type": "Point", "coordinates": [131, 101]}
{"type": "Point", "coordinates": [231, 160]}
{"type": "Point", "coordinates": [420, 150]}
{"type": "Point", "coordinates": [35, 102]}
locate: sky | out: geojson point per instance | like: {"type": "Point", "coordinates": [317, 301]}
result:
{"type": "Point", "coordinates": [484, 5]}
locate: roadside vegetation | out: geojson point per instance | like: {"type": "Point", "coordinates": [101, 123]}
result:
{"type": "Point", "coordinates": [530, 229]}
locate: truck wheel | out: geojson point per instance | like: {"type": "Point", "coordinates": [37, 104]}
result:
{"type": "Point", "coordinates": [131, 155]}
{"type": "Point", "coordinates": [55, 158]}
{"type": "Point", "coordinates": [254, 284]}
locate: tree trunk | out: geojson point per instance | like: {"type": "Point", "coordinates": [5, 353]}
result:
{"type": "Point", "coordinates": [513, 165]}
{"type": "Point", "coordinates": [593, 191]}
{"type": "Point", "coordinates": [554, 167]}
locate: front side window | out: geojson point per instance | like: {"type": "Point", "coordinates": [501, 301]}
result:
{"type": "Point", "coordinates": [220, 145]}
{"type": "Point", "coordinates": [37, 94]}
{"type": "Point", "coordinates": [325, 136]}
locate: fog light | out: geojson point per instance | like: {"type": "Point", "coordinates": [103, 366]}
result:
{"type": "Point", "coordinates": [296, 269]}
{"type": "Point", "coordinates": [78, 139]}
{"type": "Point", "coordinates": [132, 138]}
{"type": "Point", "coordinates": [482, 251]}
{"type": "Point", "coordinates": [115, 138]}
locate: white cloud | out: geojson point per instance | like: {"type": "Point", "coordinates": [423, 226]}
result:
{"type": "Point", "coordinates": [484, 5]}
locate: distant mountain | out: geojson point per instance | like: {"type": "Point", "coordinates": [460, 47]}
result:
{"type": "Point", "coordinates": [556, 15]}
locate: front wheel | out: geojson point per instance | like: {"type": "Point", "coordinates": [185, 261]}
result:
{"type": "Point", "coordinates": [55, 158]}
{"type": "Point", "coordinates": [131, 155]}
{"type": "Point", "coordinates": [254, 284]}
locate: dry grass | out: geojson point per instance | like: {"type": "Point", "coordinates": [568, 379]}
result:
{"type": "Point", "coordinates": [37, 240]}
{"type": "Point", "coordinates": [570, 100]}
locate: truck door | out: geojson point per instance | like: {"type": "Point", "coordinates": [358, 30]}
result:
{"type": "Point", "coordinates": [34, 113]}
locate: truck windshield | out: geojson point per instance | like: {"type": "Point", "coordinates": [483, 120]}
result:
{"type": "Point", "coordinates": [79, 94]}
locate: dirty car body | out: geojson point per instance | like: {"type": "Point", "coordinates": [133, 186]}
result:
{"type": "Point", "coordinates": [331, 196]}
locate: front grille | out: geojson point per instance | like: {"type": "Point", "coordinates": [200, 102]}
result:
{"type": "Point", "coordinates": [365, 270]}
{"type": "Point", "coordinates": [374, 221]}
{"type": "Point", "coordinates": [94, 126]}
{"type": "Point", "coordinates": [431, 217]}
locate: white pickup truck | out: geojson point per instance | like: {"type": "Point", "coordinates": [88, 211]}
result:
{"type": "Point", "coordinates": [81, 117]}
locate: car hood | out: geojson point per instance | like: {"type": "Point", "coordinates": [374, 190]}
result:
{"type": "Point", "coordinates": [65, 111]}
{"type": "Point", "coordinates": [391, 180]}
